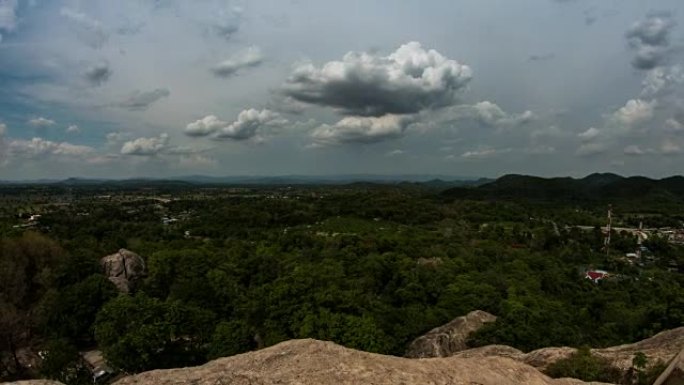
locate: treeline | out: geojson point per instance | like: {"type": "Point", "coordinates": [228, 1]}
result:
{"type": "Point", "coordinates": [370, 269]}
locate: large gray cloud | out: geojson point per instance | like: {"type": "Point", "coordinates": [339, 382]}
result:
{"type": "Point", "coordinates": [650, 38]}
{"type": "Point", "coordinates": [407, 81]}
{"type": "Point", "coordinates": [142, 100]}
{"type": "Point", "coordinates": [98, 73]}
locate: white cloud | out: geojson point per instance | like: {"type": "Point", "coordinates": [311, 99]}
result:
{"type": "Point", "coordinates": [396, 152]}
{"type": "Point", "coordinates": [73, 129]}
{"type": "Point", "coordinates": [197, 161]}
{"type": "Point", "coordinates": [251, 57]}
{"type": "Point", "coordinates": [636, 111]}
{"type": "Point", "coordinates": [669, 147]}
{"type": "Point", "coordinates": [483, 153]}
{"type": "Point", "coordinates": [186, 150]}
{"type": "Point", "coordinates": [674, 125]}
{"type": "Point", "coordinates": [142, 100]}
{"type": "Point", "coordinates": [361, 129]}
{"type": "Point", "coordinates": [114, 138]}
{"type": "Point", "coordinates": [661, 79]}
{"type": "Point", "coordinates": [489, 114]}
{"type": "Point", "coordinates": [146, 146]}
{"type": "Point", "coordinates": [39, 146]}
{"type": "Point", "coordinates": [248, 125]}
{"type": "Point", "coordinates": [103, 159]}
{"type": "Point", "coordinates": [589, 134]}
{"type": "Point", "coordinates": [540, 150]}
{"type": "Point", "coordinates": [633, 150]}
{"type": "Point", "coordinates": [41, 122]}
{"type": "Point", "coordinates": [3, 129]}
{"type": "Point", "coordinates": [205, 126]}
{"type": "Point", "coordinates": [591, 149]}
{"type": "Point", "coordinates": [409, 80]}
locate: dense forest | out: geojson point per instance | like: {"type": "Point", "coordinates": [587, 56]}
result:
{"type": "Point", "coordinates": [232, 269]}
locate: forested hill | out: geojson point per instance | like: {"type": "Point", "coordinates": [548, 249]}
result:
{"type": "Point", "coordinates": [593, 188]}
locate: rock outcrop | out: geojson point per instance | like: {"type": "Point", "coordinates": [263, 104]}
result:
{"type": "Point", "coordinates": [450, 338]}
{"type": "Point", "coordinates": [674, 373]}
{"type": "Point", "coordinates": [309, 362]}
{"type": "Point", "coordinates": [124, 268]}
{"type": "Point", "coordinates": [661, 347]}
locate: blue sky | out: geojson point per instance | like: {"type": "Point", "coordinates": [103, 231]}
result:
{"type": "Point", "coordinates": [474, 87]}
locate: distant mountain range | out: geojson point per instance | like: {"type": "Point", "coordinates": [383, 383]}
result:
{"type": "Point", "coordinates": [595, 187]}
{"type": "Point", "coordinates": [438, 181]}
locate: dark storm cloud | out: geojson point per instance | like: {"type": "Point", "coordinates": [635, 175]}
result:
{"type": "Point", "coordinates": [650, 38]}
{"type": "Point", "coordinates": [407, 81]}
{"type": "Point", "coordinates": [142, 100]}
{"type": "Point", "coordinates": [98, 74]}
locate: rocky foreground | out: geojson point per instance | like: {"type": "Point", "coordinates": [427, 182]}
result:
{"type": "Point", "coordinates": [309, 362]}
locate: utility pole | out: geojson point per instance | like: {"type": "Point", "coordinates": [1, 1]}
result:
{"type": "Point", "coordinates": [606, 240]}
{"type": "Point", "coordinates": [640, 239]}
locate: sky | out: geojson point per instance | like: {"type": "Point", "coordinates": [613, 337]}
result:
{"type": "Point", "coordinates": [482, 88]}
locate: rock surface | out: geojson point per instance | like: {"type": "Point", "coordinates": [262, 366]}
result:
{"type": "Point", "coordinates": [308, 362]}
{"type": "Point", "coordinates": [450, 338]}
{"type": "Point", "coordinates": [674, 373]}
{"type": "Point", "coordinates": [124, 268]}
{"type": "Point", "coordinates": [661, 347]}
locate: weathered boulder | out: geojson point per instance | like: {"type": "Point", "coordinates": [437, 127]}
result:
{"type": "Point", "coordinates": [124, 268]}
{"type": "Point", "coordinates": [450, 338]}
